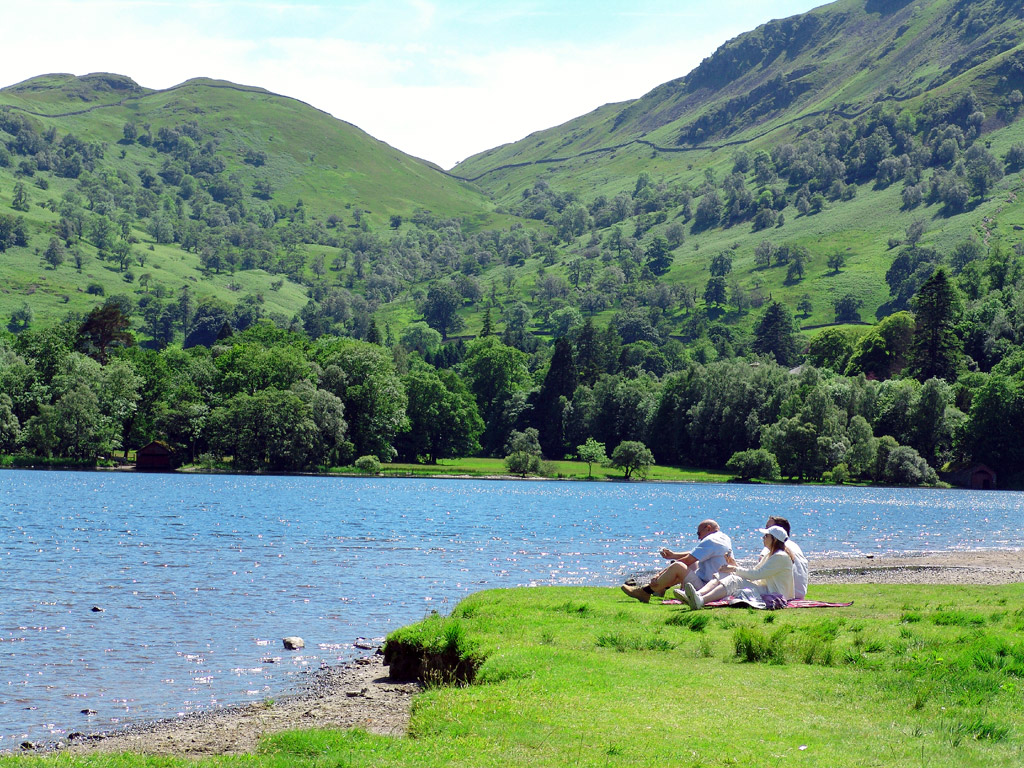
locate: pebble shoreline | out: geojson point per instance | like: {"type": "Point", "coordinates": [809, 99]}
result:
{"type": "Point", "coordinates": [355, 695]}
{"type": "Point", "coordinates": [361, 694]}
{"type": "Point", "coordinates": [982, 567]}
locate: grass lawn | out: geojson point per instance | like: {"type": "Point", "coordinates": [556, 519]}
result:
{"type": "Point", "coordinates": [573, 470]}
{"type": "Point", "coordinates": [569, 676]}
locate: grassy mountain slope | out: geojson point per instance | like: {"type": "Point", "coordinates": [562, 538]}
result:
{"type": "Point", "coordinates": [895, 95]}
{"type": "Point", "coordinates": [309, 151]}
{"type": "Point", "coordinates": [790, 81]}
{"type": "Point", "coordinates": [767, 85]}
{"type": "Point", "coordinates": [298, 152]}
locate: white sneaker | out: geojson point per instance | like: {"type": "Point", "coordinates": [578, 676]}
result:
{"type": "Point", "coordinates": [693, 598]}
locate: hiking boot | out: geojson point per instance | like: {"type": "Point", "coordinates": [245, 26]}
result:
{"type": "Point", "coordinates": [637, 593]}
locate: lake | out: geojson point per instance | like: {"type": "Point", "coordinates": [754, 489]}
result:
{"type": "Point", "coordinates": [132, 597]}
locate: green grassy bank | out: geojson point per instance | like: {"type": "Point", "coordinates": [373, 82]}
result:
{"type": "Point", "coordinates": [907, 676]}
{"type": "Point", "coordinates": [563, 470]}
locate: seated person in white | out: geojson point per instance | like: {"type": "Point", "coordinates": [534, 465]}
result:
{"type": "Point", "coordinates": [697, 567]}
{"type": "Point", "coordinates": [801, 570]}
{"type": "Point", "coordinates": [772, 574]}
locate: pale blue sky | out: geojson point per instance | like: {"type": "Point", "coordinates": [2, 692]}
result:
{"type": "Point", "coordinates": [439, 79]}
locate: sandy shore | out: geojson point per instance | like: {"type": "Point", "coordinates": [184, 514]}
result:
{"type": "Point", "coordinates": [361, 694]}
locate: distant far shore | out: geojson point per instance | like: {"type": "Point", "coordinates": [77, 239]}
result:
{"type": "Point", "coordinates": [466, 468]}
{"type": "Point", "coordinates": [470, 468]}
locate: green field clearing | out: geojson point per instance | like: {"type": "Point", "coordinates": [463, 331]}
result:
{"type": "Point", "coordinates": [567, 470]}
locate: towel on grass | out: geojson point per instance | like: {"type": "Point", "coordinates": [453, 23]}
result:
{"type": "Point", "coordinates": [741, 601]}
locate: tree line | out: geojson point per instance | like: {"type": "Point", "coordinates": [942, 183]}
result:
{"type": "Point", "coordinates": [894, 404]}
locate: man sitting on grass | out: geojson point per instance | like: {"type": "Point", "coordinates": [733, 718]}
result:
{"type": "Point", "coordinates": [801, 571]}
{"type": "Point", "coordinates": [697, 567]}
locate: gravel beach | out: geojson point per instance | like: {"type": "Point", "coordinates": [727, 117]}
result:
{"type": "Point", "coordinates": [355, 695]}
{"type": "Point", "coordinates": [985, 567]}
{"type": "Point", "coordinates": [361, 695]}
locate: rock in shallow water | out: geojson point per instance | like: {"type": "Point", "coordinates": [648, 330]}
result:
{"type": "Point", "coordinates": [293, 643]}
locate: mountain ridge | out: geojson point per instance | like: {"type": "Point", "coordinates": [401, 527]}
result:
{"type": "Point", "coordinates": [666, 107]}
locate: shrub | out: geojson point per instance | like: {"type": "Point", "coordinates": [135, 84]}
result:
{"type": "Point", "coordinates": [840, 473]}
{"type": "Point", "coordinates": [759, 463]}
{"type": "Point", "coordinates": [905, 466]}
{"type": "Point", "coordinates": [368, 464]}
{"type": "Point", "coordinates": [522, 463]}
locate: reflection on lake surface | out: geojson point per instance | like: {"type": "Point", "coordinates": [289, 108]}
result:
{"type": "Point", "coordinates": [143, 596]}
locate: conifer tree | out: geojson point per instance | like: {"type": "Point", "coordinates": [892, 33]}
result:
{"type": "Point", "coordinates": [936, 351]}
{"type": "Point", "coordinates": [373, 333]}
{"type": "Point", "coordinates": [486, 330]}
{"type": "Point", "coordinates": [659, 258]}
{"type": "Point", "coordinates": [774, 334]}
{"type": "Point", "coordinates": [559, 385]}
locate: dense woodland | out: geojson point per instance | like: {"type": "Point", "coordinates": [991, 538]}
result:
{"type": "Point", "coordinates": [274, 399]}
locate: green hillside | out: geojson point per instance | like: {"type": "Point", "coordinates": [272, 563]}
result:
{"type": "Point", "coordinates": [802, 259]}
{"type": "Point", "coordinates": [867, 110]}
{"type": "Point", "coordinates": [222, 157]}
{"type": "Point", "coordinates": [811, 152]}
{"type": "Point", "coordinates": [771, 85]}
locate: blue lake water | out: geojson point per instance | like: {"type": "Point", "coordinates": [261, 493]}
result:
{"type": "Point", "coordinates": [198, 577]}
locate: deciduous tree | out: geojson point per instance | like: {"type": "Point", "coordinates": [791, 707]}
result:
{"type": "Point", "coordinates": [440, 309]}
{"type": "Point", "coordinates": [591, 452]}
{"type": "Point", "coordinates": [633, 458]}
{"type": "Point", "coordinates": [522, 452]}
{"type": "Point", "coordinates": [443, 419]}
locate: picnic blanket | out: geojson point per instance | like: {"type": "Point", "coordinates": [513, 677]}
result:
{"type": "Point", "coordinates": [738, 601]}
